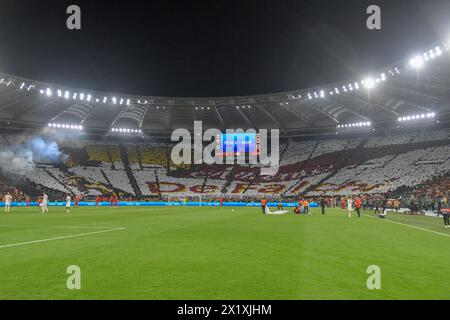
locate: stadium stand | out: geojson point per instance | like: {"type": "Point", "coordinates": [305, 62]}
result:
{"type": "Point", "coordinates": [333, 167]}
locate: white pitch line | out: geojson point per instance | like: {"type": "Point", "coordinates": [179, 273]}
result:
{"type": "Point", "coordinates": [59, 227]}
{"type": "Point", "coordinates": [60, 238]}
{"type": "Point", "coordinates": [408, 225]}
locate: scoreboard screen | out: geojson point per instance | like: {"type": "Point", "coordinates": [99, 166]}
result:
{"type": "Point", "coordinates": [238, 144]}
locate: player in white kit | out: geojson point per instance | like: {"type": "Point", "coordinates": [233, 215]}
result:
{"type": "Point", "coordinates": [350, 207]}
{"type": "Point", "coordinates": [68, 203]}
{"type": "Point", "coordinates": [8, 199]}
{"type": "Point", "coordinates": [44, 203]}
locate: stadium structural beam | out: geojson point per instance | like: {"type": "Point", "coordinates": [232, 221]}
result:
{"type": "Point", "coordinates": [319, 109]}
{"type": "Point", "coordinates": [297, 114]}
{"type": "Point", "coordinates": [271, 116]}
{"type": "Point", "coordinates": [79, 114]}
{"type": "Point", "coordinates": [404, 100]}
{"type": "Point", "coordinates": [49, 103]}
{"type": "Point", "coordinates": [219, 115]}
{"type": "Point", "coordinates": [143, 116]}
{"type": "Point", "coordinates": [350, 109]}
{"type": "Point", "coordinates": [15, 100]}
{"type": "Point", "coordinates": [424, 91]}
{"type": "Point", "coordinates": [117, 118]}
{"type": "Point", "coordinates": [246, 118]}
{"type": "Point", "coordinates": [374, 104]}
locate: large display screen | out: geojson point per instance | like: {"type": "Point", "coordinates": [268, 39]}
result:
{"type": "Point", "coordinates": [238, 144]}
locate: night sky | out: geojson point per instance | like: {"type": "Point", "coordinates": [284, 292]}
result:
{"type": "Point", "coordinates": [211, 48]}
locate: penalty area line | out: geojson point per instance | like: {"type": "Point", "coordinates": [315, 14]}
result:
{"type": "Point", "coordinates": [410, 226]}
{"type": "Point", "coordinates": [60, 238]}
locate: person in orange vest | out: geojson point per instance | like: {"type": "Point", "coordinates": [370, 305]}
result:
{"type": "Point", "coordinates": [358, 206]}
{"type": "Point", "coordinates": [306, 206]}
{"type": "Point", "coordinates": [263, 205]}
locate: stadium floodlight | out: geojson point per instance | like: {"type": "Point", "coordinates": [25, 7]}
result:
{"type": "Point", "coordinates": [438, 51]}
{"type": "Point", "coordinates": [415, 117]}
{"type": "Point", "coordinates": [65, 126]}
{"type": "Point", "coordinates": [81, 96]}
{"type": "Point", "coordinates": [105, 99]}
{"type": "Point", "coordinates": [89, 98]}
{"type": "Point", "coordinates": [432, 55]}
{"type": "Point", "coordinates": [49, 92]}
{"type": "Point", "coordinates": [114, 100]}
{"type": "Point", "coordinates": [128, 102]}
{"type": "Point", "coordinates": [369, 83]}
{"type": "Point", "coordinates": [417, 62]}
{"type": "Point", "coordinates": [383, 77]}
{"type": "Point", "coordinates": [355, 125]}
{"type": "Point", "coordinates": [66, 95]}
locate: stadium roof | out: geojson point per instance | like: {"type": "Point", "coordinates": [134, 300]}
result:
{"type": "Point", "coordinates": [417, 86]}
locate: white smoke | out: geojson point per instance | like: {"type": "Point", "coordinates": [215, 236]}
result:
{"type": "Point", "coordinates": [22, 157]}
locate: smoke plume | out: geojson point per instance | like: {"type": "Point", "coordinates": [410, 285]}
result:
{"type": "Point", "coordinates": [22, 156]}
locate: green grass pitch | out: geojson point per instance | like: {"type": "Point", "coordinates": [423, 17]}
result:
{"type": "Point", "coordinates": [215, 253]}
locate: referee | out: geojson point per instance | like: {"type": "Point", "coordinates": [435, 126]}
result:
{"type": "Point", "coordinates": [323, 205]}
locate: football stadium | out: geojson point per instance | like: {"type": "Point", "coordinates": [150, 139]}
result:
{"type": "Point", "coordinates": [331, 192]}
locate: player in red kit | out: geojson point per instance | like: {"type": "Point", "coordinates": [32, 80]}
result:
{"type": "Point", "coordinates": [358, 206]}
{"type": "Point", "coordinates": [97, 201]}
{"type": "Point", "coordinates": [76, 200]}
{"type": "Point", "coordinates": [111, 200]}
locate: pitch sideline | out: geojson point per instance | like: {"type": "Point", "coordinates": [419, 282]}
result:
{"type": "Point", "coordinates": [60, 238]}
{"type": "Point", "coordinates": [408, 225]}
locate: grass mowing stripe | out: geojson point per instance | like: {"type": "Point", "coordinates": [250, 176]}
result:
{"type": "Point", "coordinates": [408, 225]}
{"type": "Point", "coordinates": [60, 238]}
